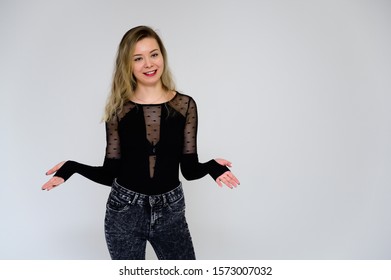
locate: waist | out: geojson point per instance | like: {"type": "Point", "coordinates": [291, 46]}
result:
{"type": "Point", "coordinates": [148, 186]}
{"type": "Point", "coordinates": [134, 197]}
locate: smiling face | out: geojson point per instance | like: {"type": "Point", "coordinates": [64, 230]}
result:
{"type": "Point", "coordinates": [148, 62]}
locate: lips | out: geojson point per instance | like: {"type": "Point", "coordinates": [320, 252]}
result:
{"type": "Point", "coordinates": [150, 73]}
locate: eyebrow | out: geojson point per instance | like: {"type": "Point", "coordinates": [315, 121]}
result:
{"type": "Point", "coordinates": [149, 52]}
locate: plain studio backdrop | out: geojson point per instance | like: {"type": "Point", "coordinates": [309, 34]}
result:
{"type": "Point", "coordinates": [295, 93]}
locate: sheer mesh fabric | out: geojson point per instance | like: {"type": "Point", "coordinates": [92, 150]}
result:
{"type": "Point", "coordinates": [180, 104]}
{"type": "Point", "coordinates": [187, 108]}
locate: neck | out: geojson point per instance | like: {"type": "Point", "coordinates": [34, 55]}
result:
{"type": "Point", "coordinates": [149, 94]}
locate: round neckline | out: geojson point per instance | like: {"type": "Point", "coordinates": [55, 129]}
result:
{"type": "Point", "coordinates": [155, 104]}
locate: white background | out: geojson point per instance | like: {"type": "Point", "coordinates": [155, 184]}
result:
{"type": "Point", "coordinates": [295, 93]}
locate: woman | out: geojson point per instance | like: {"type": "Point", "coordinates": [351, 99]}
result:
{"type": "Point", "coordinates": [151, 130]}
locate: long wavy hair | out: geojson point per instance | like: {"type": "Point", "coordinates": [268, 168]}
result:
{"type": "Point", "coordinates": [124, 83]}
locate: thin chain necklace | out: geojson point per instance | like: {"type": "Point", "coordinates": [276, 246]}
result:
{"type": "Point", "coordinates": [153, 102]}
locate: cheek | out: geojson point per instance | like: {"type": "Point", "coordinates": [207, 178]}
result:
{"type": "Point", "coordinates": [161, 64]}
{"type": "Point", "coordinates": [136, 69]}
{"type": "Point", "coordinates": [158, 61]}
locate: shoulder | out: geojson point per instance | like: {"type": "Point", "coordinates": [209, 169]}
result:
{"type": "Point", "coordinates": [122, 111]}
{"type": "Point", "coordinates": [183, 96]}
{"type": "Point", "coordinates": [183, 103]}
{"type": "Point", "coordinates": [184, 99]}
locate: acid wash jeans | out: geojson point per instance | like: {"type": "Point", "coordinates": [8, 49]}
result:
{"type": "Point", "coordinates": [133, 218]}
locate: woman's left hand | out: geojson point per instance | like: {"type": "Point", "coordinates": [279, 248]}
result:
{"type": "Point", "coordinates": [227, 178]}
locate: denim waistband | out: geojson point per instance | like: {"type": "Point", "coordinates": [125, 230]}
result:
{"type": "Point", "coordinates": [139, 198]}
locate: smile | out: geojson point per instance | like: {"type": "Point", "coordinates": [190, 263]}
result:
{"type": "Point", "coordinates": [150, 73]}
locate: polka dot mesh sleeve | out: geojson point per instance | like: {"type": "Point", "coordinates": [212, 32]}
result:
{"type": "Point", "coordinates": [113, 150]}
{"type": "Point", "coordinates": [187, 107]}
{"type": "Point", "coordinates": [190, 133]}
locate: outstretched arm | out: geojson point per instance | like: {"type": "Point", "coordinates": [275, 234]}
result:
{"type": "Point", "coordinates": [100, 174]}
{"type": "Point", "coordinates": [190, 166]}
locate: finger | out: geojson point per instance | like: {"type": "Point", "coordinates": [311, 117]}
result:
{"type": "Point", "coordinates": [52, 183]}
{"type": "Point", "coordinates": [233, 178]}
{"type": "Point", "coordinates": [223, 162]}
{"type": "Point", "coordinates": [55, 168]}
{"type": "Point", "coordinates": [52, 170]}
{"type": "Point", "coordinates": [230, 177]}
{"type": "Point", "coordinates": [47, 186]}
{"type": "Point", "coordinates": [219, 183]}
{"type": "Point", "coordinates": [226, 182]}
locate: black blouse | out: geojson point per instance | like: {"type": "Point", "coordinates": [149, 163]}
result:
{"type": "Point", "coordinates": [146, 144]}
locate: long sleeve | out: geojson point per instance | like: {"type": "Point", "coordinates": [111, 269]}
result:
{"type": "Point", "coordinates": [191, 168]}
{"type": "Point", "coordinates": [100, 174]}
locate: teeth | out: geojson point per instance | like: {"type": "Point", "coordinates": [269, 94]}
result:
{"type": "Point", "coordinates": [151, 72]}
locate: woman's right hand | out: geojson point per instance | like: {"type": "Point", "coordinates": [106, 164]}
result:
{"type": "Point", "coordinates": [55, 180]}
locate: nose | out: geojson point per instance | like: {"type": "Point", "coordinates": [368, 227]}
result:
{"type": "Point", "coordinates": [148, 63]}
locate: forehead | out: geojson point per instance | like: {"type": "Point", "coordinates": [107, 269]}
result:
{"type": "Point", "coordinates": [146, 45]}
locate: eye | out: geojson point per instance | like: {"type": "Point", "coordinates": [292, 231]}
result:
{"type": "Point", "coordinates": [155, 55]}
{"type": "Point", "coordinates": [138, 58]}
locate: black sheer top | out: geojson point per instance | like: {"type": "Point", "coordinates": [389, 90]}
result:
{"type": "Point", "coordinates": [146, 145]}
